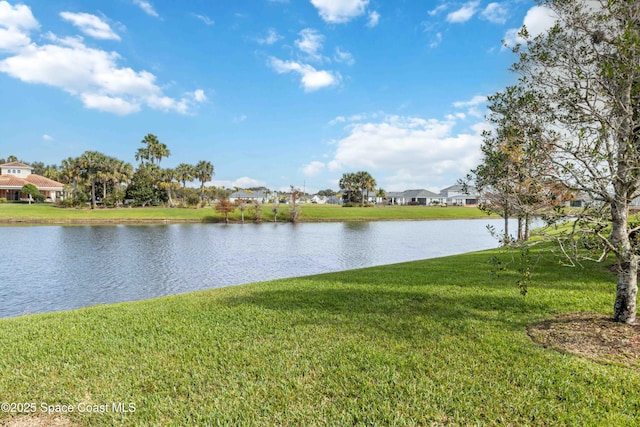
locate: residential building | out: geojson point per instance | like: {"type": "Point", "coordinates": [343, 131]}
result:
{"type": "Point", "coordinates": [419, 197]}
{"type": "Point", "coordinates": [15, 175]}
{"type": "Point", "coordinates": [458, 195]}
{"type": "Point", "coordinates": [261, 196]}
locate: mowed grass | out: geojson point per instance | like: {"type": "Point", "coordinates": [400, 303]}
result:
{"type": "Point", "coordinates": [18, 212]}
{"type": "Point", "coordinates": [435, 342]}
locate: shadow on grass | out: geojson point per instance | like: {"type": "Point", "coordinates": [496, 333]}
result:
{"type": "Point", "coordinates": [454, 292]}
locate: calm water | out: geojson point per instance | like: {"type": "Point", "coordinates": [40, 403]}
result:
{"type": "Point", "coordinates": [53, 268]}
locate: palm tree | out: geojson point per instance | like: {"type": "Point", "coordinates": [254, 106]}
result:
{"type": "Point", "coordinates": [71, 172]}
{"type": "Point", "coordinates": [365, 182]}
{"type": "Point", "coordinates": [203, 172]}
{"type": "Point", "coordinates": [168, 182]}
{"type": "Point", "coordinates": [347, 183]}
{"type": "Point", "coordinates": [154, 151]}
{"type": "Point", "coordinates": [92, 165]}
{"type": "Point", "coordinates": [185, 172]}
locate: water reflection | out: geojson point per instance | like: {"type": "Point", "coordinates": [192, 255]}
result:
{"type": "Point", "coordinates": [63, 267]}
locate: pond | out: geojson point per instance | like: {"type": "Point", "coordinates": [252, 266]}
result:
{"type": "Point", "coordinates": [54, 268]}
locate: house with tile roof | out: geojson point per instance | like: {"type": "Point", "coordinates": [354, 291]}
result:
{"type": "Point", "coordinates": [15, 175]}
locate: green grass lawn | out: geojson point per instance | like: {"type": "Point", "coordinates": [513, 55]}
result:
{"type": "Point", "coordinates": [435, 342]}
{"type": "Point", "coordinates": [19, 212]}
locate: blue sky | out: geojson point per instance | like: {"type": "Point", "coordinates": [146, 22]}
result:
{"type": "Point", "coordinates": [272, 92]}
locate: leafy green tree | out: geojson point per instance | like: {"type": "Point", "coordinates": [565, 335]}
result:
{"type": "Point", "coordinates": [582, 80]}
{"type": "Point", "coordinates": [31, 191]}
{"type": "Point", "coordinates": [143, 189]}
{"type": "Point", "coordinates": [326, 193]}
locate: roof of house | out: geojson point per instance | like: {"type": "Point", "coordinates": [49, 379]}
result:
{"type": "Point", "coordinates": [422, 194]}
{"type": "Point", "coordinates": [42, 182]}
{"type": "Point", "coordinates": [12, 181]}
{"type": "Point", "coordinates": [16, 165]}
{"type": "Point", "coordinates": [243, 194]}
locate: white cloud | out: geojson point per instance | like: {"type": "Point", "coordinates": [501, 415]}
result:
{"type": "Point", "coordinates": [343, 56]}
{"type": "Point", "coordinates": [463, 14]}
{"type": "Point", "coordinates": [199, 96]}
{"type": "Point", "coordinates": [271, 37]}
{"type": "Point", "coordinates": [313, 168]}
{"type": "Point", "coordinates": [242, 182]}
{"type": "Point", "coordinates": [90, 25]}
{"type": "Point", "coordinates": [311, 78]}
{"type": "Point", "coordinates": [472, 105]}
{"type": "Point", "coordinates": [92, 75]}
{"type": "Point", "coordinates": [495, 12]}
{"type": "Point", "coordinates": [414, 152]}
{"type": "Point", "coordinates": [340, 11]}
{"type": "Point", "coordinates": [339, 119]}
{"type": "Point", "coordinates": [437, 39]}
{"type": "Point", "coordinates": [46, 137]}
{"type": "Point", "coordinates": [239, 119]}
{"type": "Point", "coordinates": [374, 18]}
{"type": "Point", "coordinates": [109, 104]}
{"type": "Point", "coordinates": [310, 42]}
{"type": "Point", "coordinates": [476, 100]}
{"type": "Point", "coordinates": [146, 7]}
{"type": "Point", "coordinates": [205, 19]}
{"type": "Point", "coordinates": [437, 10]}
{"type": "Point", "coordinates": [15, 24]}
{"type": "Point", "coordinates": [537, 20]}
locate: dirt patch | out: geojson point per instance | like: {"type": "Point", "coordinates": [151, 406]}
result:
{"type": "Point", "coordinates": [594, 336]}
{"type": "Point", "coordinates": [36, 421]}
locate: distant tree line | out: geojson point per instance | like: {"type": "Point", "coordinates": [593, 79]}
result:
{"type": "Point", "coordinates": [98, 179]}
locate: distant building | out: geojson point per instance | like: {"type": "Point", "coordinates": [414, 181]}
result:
{"type": "Point", "coordinates": [415, 197]}
{"type": "Point", "coordinates": [261, 196]}
{"type": "Point", "coordinates": [15, 175]}
{"type": "Point", "coordinates": [457, 195]}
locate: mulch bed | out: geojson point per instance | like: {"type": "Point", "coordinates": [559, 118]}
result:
{"type": "Point", "coordinates": [594, 336]}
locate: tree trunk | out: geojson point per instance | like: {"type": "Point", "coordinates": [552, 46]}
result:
{"type": "Point", "coordinates": [626, 290]}
{"type": "Point", "coordinates": [506, 226]}
{"type": "Point", "coordinates": [520, 228]}
{"type": "Point", "coordinates": [93, 195]}
{"type": "Point", "coordinates": [171, 204]}
{"type": "Point", "coordinates": [624, 308]}
{"type": "Point", "coordinates": [527, 230]}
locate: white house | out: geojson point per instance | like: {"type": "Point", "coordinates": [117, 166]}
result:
{"type": "Point", "coordinates": [261, 196]}
{"type": "Point", "coordinates": [415, 197]}
{"type": "Point", "coordinates": [15, 175]}
{"type": "Point", "coordinates": [457, 195]}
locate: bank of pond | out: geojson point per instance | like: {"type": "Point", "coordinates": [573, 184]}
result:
{"type": "Point", "coordinates": [431, 342]}
{"type": "Point", "coordinates": [64, 267]}
{"type": "Point", "coordinates": [48, 213]}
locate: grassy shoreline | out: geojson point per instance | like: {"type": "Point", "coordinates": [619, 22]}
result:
{"type": "Point", "coordinates": [49, 214]}
{"type": "Point", "coordinates": [434, 342]}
